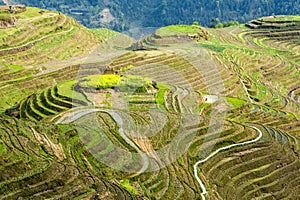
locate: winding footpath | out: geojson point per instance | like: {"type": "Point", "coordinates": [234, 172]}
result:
{"type": "Point", "coordinates": [74, 115]}
{"type": "Point", "coordinates": [204, 191]}
{"type": "Point", "coordinates": [31, 43]}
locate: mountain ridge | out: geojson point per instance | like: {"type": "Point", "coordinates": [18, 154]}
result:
{"type": "Point", "coordinates": [126, 15]}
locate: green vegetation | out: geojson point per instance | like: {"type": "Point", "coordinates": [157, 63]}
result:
{"type": "Point", "coordinates": [31, 13]}
{"type": "Point", "coordinates": [225, 24]}
{"type": "Point", "coordinates": [1, 148]}
{"type": "Point", "coordinates": [178, 29]}
{"type": "Point", "coordinates": [123, 83]}
{"type": "Point", "coordinates": [69, 124]}
{"type": "Point", "coordinates": [235, 102]}
{"type": "Point", "coordinates": [108, 94]}
{"type": "Point", "coordinates": [123, 69]}
{"type": "Point", "coordinates": [5, 17]}
{"type": "Point", "coordinates": [15, 68]}
{"type": "Point", "coordinates": [213, 47]}
{"type": "Point", "coordinates": [67, 89]}
{"type": "Point", "coordinates": [282, 18]}
{"type": "Point", "coordinates": [101, 81]}
{"type": "Point", "coordinates": [104, 34]}
{"type": "Point", "coordinates": [160, 96]}
{"type": "Point", "coordinates": [51, 37]}
{"type": "Point", "coordinates": [126, 184]}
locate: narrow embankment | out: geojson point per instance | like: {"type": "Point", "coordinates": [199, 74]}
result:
{"type": "Point", "coordinates": [28, 45]}
{"type": "Point", "coordinates": [203, 188]}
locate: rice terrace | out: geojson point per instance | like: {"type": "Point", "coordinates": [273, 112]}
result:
{"type": "Point", "coordinates": [187, 112]}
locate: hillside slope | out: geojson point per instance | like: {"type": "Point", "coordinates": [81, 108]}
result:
{"type": "Point", "coordinates": [41, 41]}
{"type": "Point", "coordinates": [40, 36]}
{"type": "Point", "coordinates": [185, 113]}
{"type": "Point", "coordinates": [124, 15]}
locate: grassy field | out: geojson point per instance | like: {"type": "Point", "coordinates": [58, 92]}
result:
{"type": "Point", "coordinates": [178, 29]}
{"type": "Point", "coordinates": [282, 18]}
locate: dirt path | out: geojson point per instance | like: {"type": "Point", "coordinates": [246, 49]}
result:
{"type": "Point", "coordinates": [246, 90]}
{"type": "Point", "coordinates": [35, 41]}
{"type": "Point", "coordinates": [203, 188]}
{"type": "Point", "coordinates": [74, 115]}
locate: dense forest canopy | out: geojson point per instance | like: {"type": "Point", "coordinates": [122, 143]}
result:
{"type": "Point", "coordinates": [126, 14]}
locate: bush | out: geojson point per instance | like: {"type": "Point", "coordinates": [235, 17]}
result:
{"type": "Point", "coordinates": [219, 25]}
{"type": "Point", "coordinates": [231, 23]}
{"type": "Point", "coordinates": [195, 23]}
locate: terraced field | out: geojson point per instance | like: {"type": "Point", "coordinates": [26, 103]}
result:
{"type": "Point", "coordinates": [185, 113]}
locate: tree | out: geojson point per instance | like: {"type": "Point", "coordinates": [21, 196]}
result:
{"type": "Point", "coordinates": [213, 23]}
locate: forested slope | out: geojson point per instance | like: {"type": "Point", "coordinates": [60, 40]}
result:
{"type": "Point", "coordinates": [122, 15]}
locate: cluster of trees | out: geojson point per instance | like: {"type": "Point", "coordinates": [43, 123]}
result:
{"type": "Point", "coordinates": [156, 13]}
{"type": "Point", "coordinates": [90, 16]}
{"type": "Point", "coordinates": [216, 23]}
